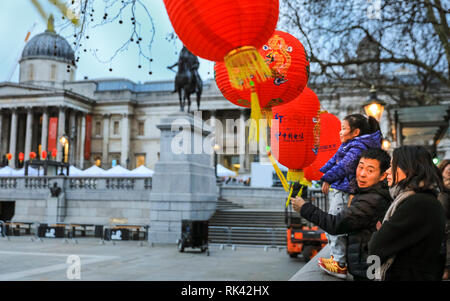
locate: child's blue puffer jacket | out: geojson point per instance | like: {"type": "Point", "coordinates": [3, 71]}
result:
{"type": "Point", "coordinates": [340, 170]}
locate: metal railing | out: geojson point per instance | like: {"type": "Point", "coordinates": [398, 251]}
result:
{"type": "Point", "coordinates": [229, 231]}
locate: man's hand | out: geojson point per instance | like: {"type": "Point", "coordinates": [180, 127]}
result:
{"type": "Point", "coordinates": [325, 187]}
{"type": "Point", "coordinates": [378, 225]}
{"type": "Point", "coordinates": [297, 203]}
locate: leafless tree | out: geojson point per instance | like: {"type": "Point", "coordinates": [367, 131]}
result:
{"type": "Point", "coordinates": [399, 46]}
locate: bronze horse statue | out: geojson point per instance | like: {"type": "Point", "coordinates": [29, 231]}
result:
{"type": "Point", "coordinates": [187, 80]}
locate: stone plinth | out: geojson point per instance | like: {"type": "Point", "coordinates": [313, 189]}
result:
{"type": "Point", "coordinates": [184, 183]}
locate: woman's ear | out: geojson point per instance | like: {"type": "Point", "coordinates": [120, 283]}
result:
{"type": "Point", "coordinates": [383, 176]}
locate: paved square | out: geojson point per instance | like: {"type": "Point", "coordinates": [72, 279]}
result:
{"type": "Point", "coordinates": [21, 259]}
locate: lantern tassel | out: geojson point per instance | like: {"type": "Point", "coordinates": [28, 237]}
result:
{"type": "Point", "coordinates": [267, 112]}
{"type": "Point", "coordinates": [255, 115]}
{"type": "Point", "coordinates": [277, 170]}
{"type": "Point", "coordinates": [245, 65]}
{"type": "Point", "coordinates": [297, 175]}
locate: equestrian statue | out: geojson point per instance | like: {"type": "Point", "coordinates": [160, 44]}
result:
{"type": "Point", "coordinates": [187, 79]}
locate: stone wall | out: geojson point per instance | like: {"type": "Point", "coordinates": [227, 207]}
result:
{"type": "Point", "coordinates": [273, 198]}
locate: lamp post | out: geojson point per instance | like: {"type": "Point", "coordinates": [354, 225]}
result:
{"type": "Point", "coordinates": [373, 106]}
{"type": "Point", "coordinates": [64, 140]}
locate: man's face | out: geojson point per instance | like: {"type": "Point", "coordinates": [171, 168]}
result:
{"type": "Point", "coordinates": [368, 173]}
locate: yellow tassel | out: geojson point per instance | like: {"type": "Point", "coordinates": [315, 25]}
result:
{"type": "Point", "coordinates": [267, 112]}
{"type": "Point", "coordinates": [244, 65]}
{"type": "Point", "coordinates": [296, 175]}
{"type": "Point", "coordinates": [289, 196]}
{"type": "Point", "coordinates": [277, 170]}
{"type": "Point", "coordinates": [255, 116]}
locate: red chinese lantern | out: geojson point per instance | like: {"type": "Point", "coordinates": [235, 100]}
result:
{"type": "Point", "coordinates": [229, 31]}
{"type": "Point", "coordinates": [295, 137]}
{"type": "Point", "coordinates": [21, 156]}
{"type": "Point", "coordinates": [330, 141]}
{"type": "Point", "coordinates": [287, 59]}
{"type": "Point", "coordinates": [9, 156]}
{"type": "Point", "coordinates": [32, 155]}
{"type": "Point", "coordinates": [44, 155]}
{"type": "Point", "coordinates": [54, 153]}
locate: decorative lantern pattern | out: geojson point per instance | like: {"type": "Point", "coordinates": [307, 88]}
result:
{"type": "Point", "coordinates": [294, 140]}
{"type": "Point", "coordinates": [287, 59]}
{"type": "Point", "coordinates": [330, 141]}
{"type": "Point", "coordinates": [230, 31]}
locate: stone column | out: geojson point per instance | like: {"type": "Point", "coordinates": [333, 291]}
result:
{"type": "Point", "coordinates": [105, 147]}
{"type": "Point", "coordinates": [72, 135]}
{"type": "Point", "coordinates": [125, 140]}
{"type": "Point", "coordinates": [83, 138]}
{"type": "Point", "coordinates": [44, 137]}
{"type": "Point", "coordinates": [242, 142]}
{"type": "Point", "coordinates": [13, 138]}
{"type": "Point", "coordinates": [2, 147]}
{"type": "Point", "coordinates": [213, 127]}
{"type": "Point", "coordinates": [61, 131]}
{"type": "Point", "coordinates": [28, 133]}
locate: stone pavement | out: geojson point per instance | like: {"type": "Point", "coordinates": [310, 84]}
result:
{"type": "Point", "coordinates": [22, 259]}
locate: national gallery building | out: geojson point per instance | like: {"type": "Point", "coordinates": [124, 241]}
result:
{"type": "Point", "coordinates": [114, 120]}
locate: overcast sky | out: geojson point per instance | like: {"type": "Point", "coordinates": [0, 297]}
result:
{"type": "Point", "coordinates": [18, 16]}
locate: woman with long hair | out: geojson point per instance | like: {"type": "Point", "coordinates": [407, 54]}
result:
{"type": "Point", "coordinates": [444, 198]}
{"type": "Point", "coordinates": [410, 241]}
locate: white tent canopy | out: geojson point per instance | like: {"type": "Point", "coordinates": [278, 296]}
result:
{"type": "Point", "coordinates": [222, 171]}
{"type": "Point", "coordinates": [118, 171]}
{"type": "Point", "coordinates": [32, 172]}
{"type": "Point", "coordinates": [6, 171]}
{"type": "Point", "coordinates": [93, 171]}
{"type": "Point", "coordinates": [142, 171]}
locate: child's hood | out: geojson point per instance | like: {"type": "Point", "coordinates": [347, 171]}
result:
{"type": "Point", "coordinates": [372, 140]}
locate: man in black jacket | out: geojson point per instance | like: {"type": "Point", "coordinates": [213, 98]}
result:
{"type": "Point", "coordinates": [359, 219]}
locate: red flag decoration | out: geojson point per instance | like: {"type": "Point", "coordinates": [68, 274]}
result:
{"type": "Point", "coordinates": [87, 144]}
{"type": "Point", "coordinates": [229, 31]}
{"type": "Point", "coordinates": [330, 141]}
{"type": "Point", "coordinates": [295, 138]}
{"type": "Point", "coordinates": [287, 60]}
{"type": "Point", "coordinates": [52, 132]}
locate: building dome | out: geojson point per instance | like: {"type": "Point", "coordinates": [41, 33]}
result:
{"type": "Point", "coordinates": [49, 45]}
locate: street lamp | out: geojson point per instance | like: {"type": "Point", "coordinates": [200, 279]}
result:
{"type": "Point", "coordinates": [64, 140]}
{"type": "Point", "coordinates": [386, 144]}
{"type": "Point", "coordinates": [373, 106]}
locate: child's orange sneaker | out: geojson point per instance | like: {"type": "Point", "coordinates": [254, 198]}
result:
{"type": "Point", "coordinates": [332, 267]}
{"type": "Point", "coordinates": [324, 260]}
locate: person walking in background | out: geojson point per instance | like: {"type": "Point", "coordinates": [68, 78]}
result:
{"type": "Point", "coordinates": [409, 241]}
{"type": "Point", "coordinates": [357, 134]}
{"type": "Point", "coordinates": [359, 220]}
{"type": "Point", "coordinates": [444, 198]}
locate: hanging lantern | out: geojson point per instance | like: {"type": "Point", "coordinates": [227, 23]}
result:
{"type": "Point", "coordinates": [21, 156]}
{"type": "Point", "coordinates": [229, 31]}
{"type": "Point", "coordinates": [44, 155]}
{"type": "Point", "coordinates": [295, 138]}
{"type": "Point", "coordinates": [32, 155]}
{"type": "Point", "coordinates": [330, 141]}
{"type": "Point", "coordinates": [9, 156]}
{"type": "Point", "coordinates": [287, 59]}
{"type": "Point", "coordinates": [54, 153]}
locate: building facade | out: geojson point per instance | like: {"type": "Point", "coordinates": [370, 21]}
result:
{"type": "Point", "coordinates": [113, 121]}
